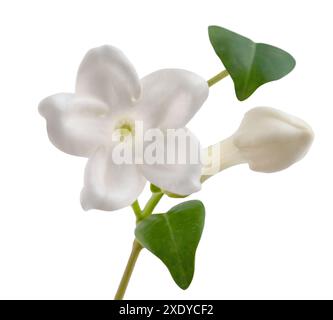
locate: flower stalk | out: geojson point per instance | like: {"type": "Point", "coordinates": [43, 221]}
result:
{"type": "Point", "coordinates": [136, 249]}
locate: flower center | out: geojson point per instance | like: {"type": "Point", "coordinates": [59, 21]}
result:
{"type": "Point", "coordinates": [124, 128]}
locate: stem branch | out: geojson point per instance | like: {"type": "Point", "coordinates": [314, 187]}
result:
{"type": "Point", "coordinates": [151, 204]}
{"type": "Point", "coordinates": [137, 210]}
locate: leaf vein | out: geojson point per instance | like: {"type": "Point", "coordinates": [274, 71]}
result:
{"type": "Point", "coordinates": [174, 242]}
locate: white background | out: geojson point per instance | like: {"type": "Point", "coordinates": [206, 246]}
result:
{"type": "Point", "coordinates": [267, 236]}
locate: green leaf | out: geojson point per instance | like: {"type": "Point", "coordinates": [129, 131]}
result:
{"type": "Point", "coordinates": [155, 189]}
{"type": "Point", "coordinates": [249, 64]}
{"type": "Point", "coordinates": [173, 237]}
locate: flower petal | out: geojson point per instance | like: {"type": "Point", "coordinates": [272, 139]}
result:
{"type": "Point", "coordinates": [106, 74]}
{"type": "Point", "coordinates": [177, 166]}
{"type": "Point", "coordinates": [109, 186]}
{"type": "Point", "coordinates": [75, 126]}
{"type": "Point", "coordinates": [170, 98]}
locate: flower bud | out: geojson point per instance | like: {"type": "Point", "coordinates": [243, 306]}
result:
{"type": "Point", "coordinates": [268, 140]}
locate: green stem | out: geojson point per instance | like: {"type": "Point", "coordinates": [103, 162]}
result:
{"type": "Point", "coordinates": [137, 210]}
{"type": "Point", "coordinates": [140, 215]}
{"type": "Point", "coordinates": [128, 271]}
{"type": "Point", "coordinates": [151, 204]}
{"type": "Point", "coordinates": [217, 78]}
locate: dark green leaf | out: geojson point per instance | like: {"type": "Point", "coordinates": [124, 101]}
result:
{"type": "Point", "coordinates": [173, 237]}
{"type": "Point", "coordinates": [249, 64]}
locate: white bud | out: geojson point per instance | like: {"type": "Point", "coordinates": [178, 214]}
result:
{"type": "Point", "coordinates": [268, 140]}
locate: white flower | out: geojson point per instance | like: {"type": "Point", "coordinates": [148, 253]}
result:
{"type": "Point", "coordinates": [109, 96]}
{"type": "Point", "coordinates": [268, 140]}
